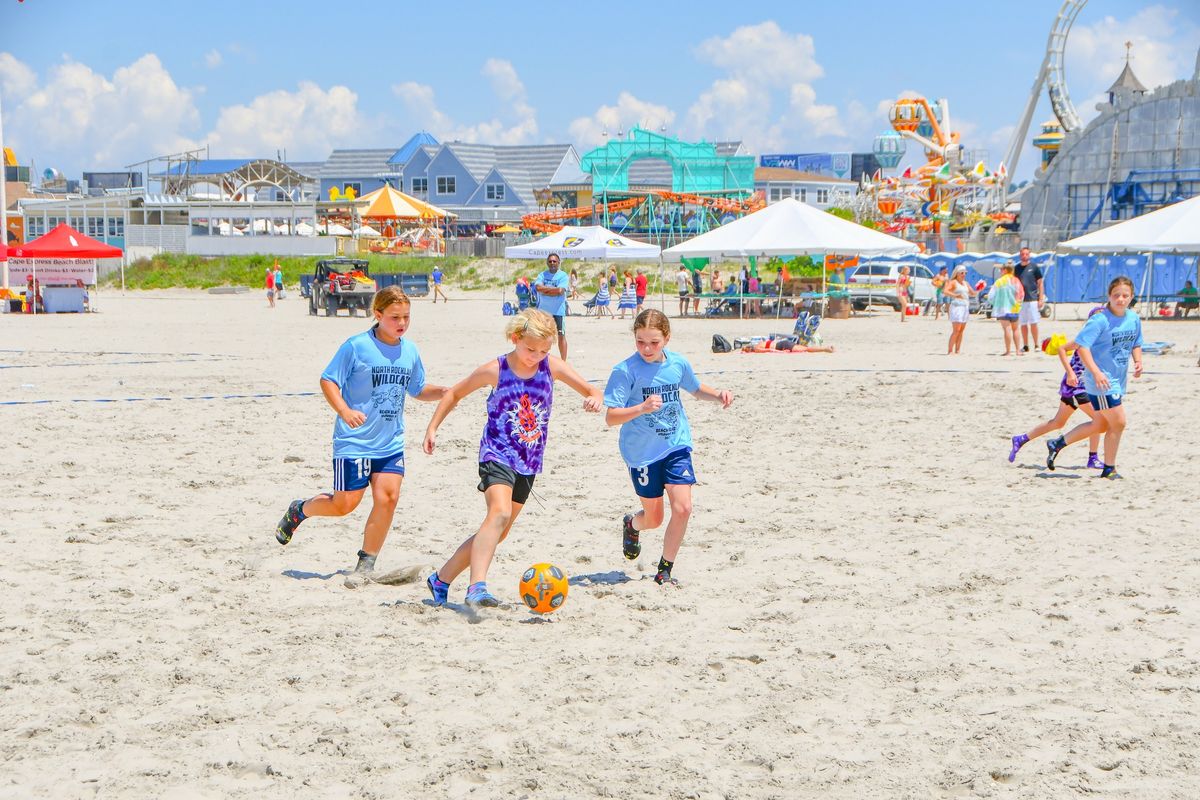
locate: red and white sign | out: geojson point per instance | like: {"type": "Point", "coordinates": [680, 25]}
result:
{"type": "Point", "coordinates": [51, 271]}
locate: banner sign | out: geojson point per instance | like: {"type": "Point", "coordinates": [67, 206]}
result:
{"type": "Point", "coordinates": [836, 165]}
{"type": "Point", "coordinates": [51, 271]}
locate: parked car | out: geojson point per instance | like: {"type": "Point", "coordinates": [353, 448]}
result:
{"type": "Point", "coordinates": [875, 282]}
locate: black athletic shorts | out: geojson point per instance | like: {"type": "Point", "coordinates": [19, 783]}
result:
{"type": "Point", "coordinates": [558, 323]}
{"type": "Point", "coordinates": [492, 473]}
{"type": "Point", "coordinates": [1075, 401]}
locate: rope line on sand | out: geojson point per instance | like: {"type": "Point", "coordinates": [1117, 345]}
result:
{"type": "Point", "coordinates": [258, 396]}
{"type": "Point", "coordinates": [115, 363]}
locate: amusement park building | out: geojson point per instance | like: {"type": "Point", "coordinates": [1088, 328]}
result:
{"type": "Point", "coordinates": [1140, 153]}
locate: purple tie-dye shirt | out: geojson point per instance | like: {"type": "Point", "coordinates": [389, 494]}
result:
{"type": "Point", "coordinates": [518, 419]}
{"type": "Point", "coordinates": [1065, 389]}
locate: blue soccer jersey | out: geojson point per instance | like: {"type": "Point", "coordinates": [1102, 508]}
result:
{"type": "Point", "coordinates": [374, 378]}
{"type": "Point", "coordinates": [554, 304]}
{"type": "Point", "coordinates": [650, 437]}
{"type": "Point", "coordinates": [1111, 340]}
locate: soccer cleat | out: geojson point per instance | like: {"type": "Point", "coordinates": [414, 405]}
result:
{"type": "Point", "coordinates": [1017, 443]}
{"type": "Point", "coordinates": [663, 576]}
{"type": "Point", "coordinates": [1110, 473]}
{"type": "Point", "coordinates": [630, 545]}
{"type": "Point", "coordinates": [438, 588]}
{"type": "Point", "coordinates": [366, 562]}
{"type": "Point", "coordinates": [291, 520]}
{"type": "Point", "coordinates": [1054, 447]}
{"type": "Point", "coordinates": [1094, 462]}
{"type": "Point", "coordinates": [479, 596]}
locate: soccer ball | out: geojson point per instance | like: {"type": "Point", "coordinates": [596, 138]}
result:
{"type": "Point", "coordinates": [543, 588]}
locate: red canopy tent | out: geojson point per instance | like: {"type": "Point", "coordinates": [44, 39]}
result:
{"type": "Point", "coordinates": [64, 242]}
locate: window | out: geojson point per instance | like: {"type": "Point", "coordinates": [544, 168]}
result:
{"type": "Point", "coordinates": [34, 228]}
{"type": "Point", "coordinates": [95, 227]}
{"type": "Point", "coordinates": [357, 187]}
{"type": "Point", "coordinates": [77, 223]}
{"type": "Point", "coordinates": [494, 191]}
{"type": "Point", "coordinates": [445, 185]}
{"type": "Point", "coordinates": [802, 195]}
{"type": "Point", "coordinates": [822, 196]}
{"type": "Point", "coordinates": [776, 194]}
{"type": "Point", "coordinates": [420, 185]}
{"type": "Point", "coordinates": [920, 271]}
{"type": "Point", "coordinates": [116, 226]}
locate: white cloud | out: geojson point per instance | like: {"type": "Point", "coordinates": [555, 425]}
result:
{"type": "Point", "coordinates": [16, 79]}
{"type": "Point", "coordinates": [629, 111]}
{"type": "Point", "coordinates": [213, 59]}
{"type": "Point", "coordinates": [516, 124]}
{"type": "Point", "coordinates": [308, 123]}
{"type": "Point", "coordinates": [79, 116]}
{"type": "Point", "coordinates": [765, 54]}
{"type": "Point", "coordinates": [1164, 50]}
{"type": "Point", "coordinates": [766, 96]}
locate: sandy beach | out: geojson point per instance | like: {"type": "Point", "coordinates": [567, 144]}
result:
{"type": "Point", "coordinates": [872, 602]}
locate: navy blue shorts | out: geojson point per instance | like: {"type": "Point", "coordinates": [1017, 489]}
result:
{"type": "Point", "coordinates": [1103, 401]}
{"type": "Point", "coordinates": [352, 474]}
{"type": "Point", "coordinates": [673, 469]}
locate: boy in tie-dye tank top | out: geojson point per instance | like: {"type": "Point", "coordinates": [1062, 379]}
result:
{"type": "Point", "coordinates": [513, 443]}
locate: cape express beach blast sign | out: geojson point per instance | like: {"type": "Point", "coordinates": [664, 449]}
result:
{"type": "Point", "coordinates": [52, 270]}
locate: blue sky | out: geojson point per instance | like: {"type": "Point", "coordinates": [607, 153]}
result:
{"type": "Point", "coordinates": [96, 86]}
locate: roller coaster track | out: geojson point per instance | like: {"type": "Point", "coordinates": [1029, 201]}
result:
{"type": "Point", "coordinates": [1052, 76]}
{"type": "Point", "coordinates": [546, 221]}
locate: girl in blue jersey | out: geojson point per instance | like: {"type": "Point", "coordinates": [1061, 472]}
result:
{"type": "Point", "coordinates": [642, 396]}
{"type": "Point", "coordinates": [1107, 342]}
{"type": "Point", "coordinates": [366, 384]}
{"type": "Point", "coordinates": [513, 442]}
{"type": "Point", "coordinates": [1072, 395]}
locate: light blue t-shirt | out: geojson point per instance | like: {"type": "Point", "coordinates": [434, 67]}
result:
{"type": "Point", "coordinates": [1111, 340]}
{"type": "Point", "coordinates": [650, 437]}
{"type": "Point", "coordinates": [374, 378]}
{"type": "Point", "coordinates": [555, 305]}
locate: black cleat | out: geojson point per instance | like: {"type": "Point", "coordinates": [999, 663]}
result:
{"type": "Point", "coordinates": [630, 545]}
{"type": "Point", "coordinates": [1054, 447]}
{"type": "Point", "coordinates": [291, 520]}
{"type": "Point", "coordinates": [663, 576]}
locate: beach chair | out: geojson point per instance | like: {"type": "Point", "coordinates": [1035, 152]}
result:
{"type": "Point", "coordinates": [805, 329]}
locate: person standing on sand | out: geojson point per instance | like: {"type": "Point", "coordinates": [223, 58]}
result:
{"type": "Point", "coordinates": [552, 288]}
{"type": "Point", "coordinates": [960, 293]}
{"type": "Point", "coordinates": [903, 284]}
{"type": "Point", "coordinates": [270, 284]}
{"type": "Point", "coordinates": [1032, 281]}
{"type": "Point", "coordinates": [639, 285]}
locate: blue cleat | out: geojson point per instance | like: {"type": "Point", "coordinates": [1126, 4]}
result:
{"type": "Point", "coordinates": [478, 596]}
{"type": "Point", "coordinates": [438, 588]}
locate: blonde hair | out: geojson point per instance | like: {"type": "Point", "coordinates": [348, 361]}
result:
{"type": "Point", "coordinates": [653, 318]}
{"type": "Point", "coordinates": [385, 297]}
{"type": "Point", "coordinates": [531, 322]}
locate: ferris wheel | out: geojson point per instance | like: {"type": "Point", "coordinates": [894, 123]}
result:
{"type": "Point", "coordinates": [1052, 76]}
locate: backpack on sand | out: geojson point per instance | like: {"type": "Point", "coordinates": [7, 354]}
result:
{"type": "Point", "coordinates": [721, 345]}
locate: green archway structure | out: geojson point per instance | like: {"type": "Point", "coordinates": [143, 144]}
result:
{"type": "Point", "coordinates": [695, 166]}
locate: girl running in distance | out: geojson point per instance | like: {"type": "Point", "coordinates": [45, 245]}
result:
{"type": "Point", "coordinates": [1106, 343]}
{"type": "Point", "coordinates": [1072, 395]}
{"type": "Point", "coordinates": [366, 384]}
{"type": "Point", "coordinates": [642, 396]}
{"type": "Point", "coordinates": [514, 441]}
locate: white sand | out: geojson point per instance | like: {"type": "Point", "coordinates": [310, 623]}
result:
{"type": "Point", "coordinates": [873, 602]}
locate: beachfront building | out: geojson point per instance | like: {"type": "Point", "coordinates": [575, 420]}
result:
{"type": "Point", "coordinates": [843, 166]}
{"type": "Point", "coordinates": [196, 206]}
{"type": "Point", "coordinates": [821, 191]}
{"type": "Point", "coordinates": [1140, 153]}
{"type": "Point", "coordinates": [481, 183]}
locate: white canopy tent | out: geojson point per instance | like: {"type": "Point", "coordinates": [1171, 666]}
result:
{"type": "Point", "coordinates": [789, 228]}
{"type": "Point", "coordinates": [591, 243]}
{"type": "Point", "coordinates": [1174, 229]}
{"type": "Point", "coordinates": [585, 243]}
